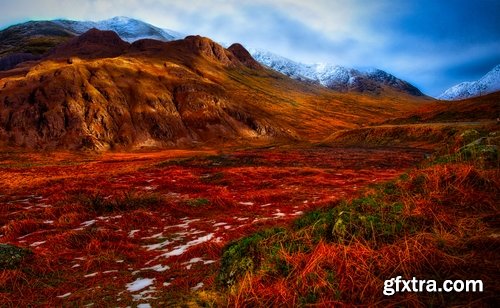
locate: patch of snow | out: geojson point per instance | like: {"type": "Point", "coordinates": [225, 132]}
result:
{"type": "Point", "coordinates": [37, 243]}
{"type": "Point", "coordinates": [194, 260]}
{"type": "Point", "coordinates": [157, 235]}
{"type": "Point", "coordinates": [246, 203]}
{"type": "Point", "coordinates": [185, 223]}
{"type": "Point", "coordinates": [132, 233]}
{"type": "Point", "coordinates": [198, 286]}
{"type": "Point", "coordinates": [88, 223]}
{"type": "Point", "coordinates": [139, 284]}
{"type": "Point", "coordinates": [179, 250]}
{"type": "Point", "coordinates": [157, 268]}
{"type": "Point", "coordinates": [64, 295]}
{"type": "Point", "coordinates": [91, 275]}
{"type": "Point", "coordinates": [279, 214]}
{"type": "Point", "coordinates": [146, 305]}
{"type": "Point", "coordinates": [157, 245]}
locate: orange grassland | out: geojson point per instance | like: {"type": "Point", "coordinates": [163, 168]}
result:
{"type": "Point", "coordinates": [96, 223]}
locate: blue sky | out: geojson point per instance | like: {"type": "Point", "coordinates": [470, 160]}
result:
{"type": "Point", "coordinates": [432, 44]}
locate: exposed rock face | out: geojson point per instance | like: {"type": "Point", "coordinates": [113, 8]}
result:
{"type": "Point", "coordinates": [109, 102]}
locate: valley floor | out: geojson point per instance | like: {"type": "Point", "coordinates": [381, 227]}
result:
{"type": "Point", "coordinates": [145, 228]}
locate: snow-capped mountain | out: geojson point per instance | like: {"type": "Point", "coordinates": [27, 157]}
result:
{"type": "Point", "coordinates": [334, 76]}
{"type": "Point", "coordinates": [128, 29]}
{"type": "Point", "coordinates": [489, 83]}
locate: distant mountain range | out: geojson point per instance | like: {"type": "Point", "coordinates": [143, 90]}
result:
{"type": "Point", "coordinates": [30, 40]}
{"type": "Point", "coordinates": [489, 83]}
{"type": "Point", "coordinates": [335, 77]}
{"type": "Point", "coordinates": [129, 29]}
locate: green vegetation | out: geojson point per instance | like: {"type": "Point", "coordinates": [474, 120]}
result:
{"type": "Point", "coordinates": [198, 202]}
{"type": "Point", "coordinates": [12, 256]}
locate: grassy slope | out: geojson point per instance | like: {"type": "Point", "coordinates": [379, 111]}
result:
{"type": "Point", "coordinates": [437, 124]}
{"type": "Point", "coordinates": [481, 108]}
{"type": "Point", "coordinates": [437, 222]}
{"type": "Point", "coordinates": [32, 37]}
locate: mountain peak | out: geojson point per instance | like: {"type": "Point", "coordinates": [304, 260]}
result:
{"type": "Point", "coordinates": [92, 44]}
{"type": "Point", "coordinates": [489, 83]}
{"type": "Point", "coordinates": [244, 56]}
{"type": "Point", "coordinates": [206, 47]}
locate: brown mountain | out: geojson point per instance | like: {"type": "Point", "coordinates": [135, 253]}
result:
{"type": "Point", "coordinates": [92, 44]}
{"type": "Point", "coordinates": [96, 91]}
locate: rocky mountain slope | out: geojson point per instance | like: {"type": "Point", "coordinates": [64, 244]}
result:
{"type": "Point", "coordinates": [99, 92]}
{"type": "Point", "coordinates": [336, 77]}
{"type": "Point", "coordinates": [489, 83]}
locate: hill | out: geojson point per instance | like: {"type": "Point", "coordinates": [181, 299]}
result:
{"type": "Point", "coordinates": [97, 91]}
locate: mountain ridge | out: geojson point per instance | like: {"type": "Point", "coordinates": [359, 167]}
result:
{"type": "Point", "coordinates": [335, 77]}
{"type": "Point", "coordinates": [332, 76]}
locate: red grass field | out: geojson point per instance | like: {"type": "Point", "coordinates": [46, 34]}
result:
{"type": "Point", "coordinates": [122, 229]}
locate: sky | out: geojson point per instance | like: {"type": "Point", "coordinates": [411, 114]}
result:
{"type": "Point", "coordinates": [433, 44]}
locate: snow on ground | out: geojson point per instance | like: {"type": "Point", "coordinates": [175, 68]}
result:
{"type": "Point", "coordinates": [246, 203]}
{"type": "Point", "coordinates": [139, 284]}
{"type": "Point", "coordinates": [157, 268]}
{"type": "Point", "coordinates": [198, 286]}
{"type": "Point", "coordinates": [179, 250]}
{"type": "Point", "coordinates": [88, 223]}
{"type": "Point", "coordinates": [37, 243]}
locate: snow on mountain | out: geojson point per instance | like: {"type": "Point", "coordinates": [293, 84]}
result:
{"type": "Point", "coordinates": [334, 76]}
{"type": "Point", "coordinates": [489, 83]}
{"type": "Point", "coordinates": [128, 29]}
